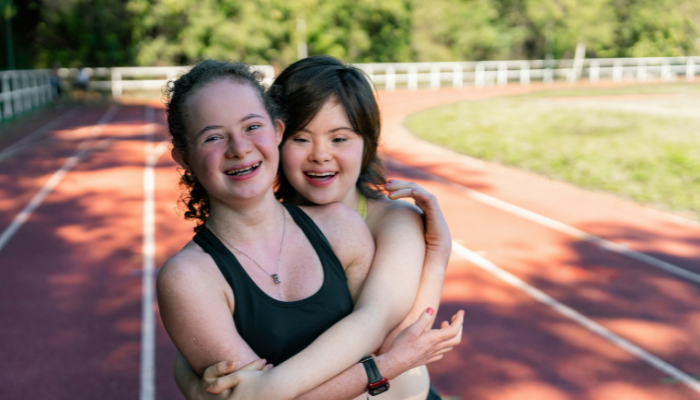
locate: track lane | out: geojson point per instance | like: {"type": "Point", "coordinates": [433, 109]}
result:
{"type": "Point", "coordinates": [70, 298]}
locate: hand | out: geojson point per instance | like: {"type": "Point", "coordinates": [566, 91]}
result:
{"type": "Point", "coordinates": [437, 234]}
{"type": "Point", "coordinates": [219, 379]}
{"type": "Point", "coordinates": [419, 345]}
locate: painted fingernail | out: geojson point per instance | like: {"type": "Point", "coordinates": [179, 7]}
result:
{"type": "Point", "coordinates": [211, 387]}
{"type": "Point", "coordinates": [414, 190]}
{"type": "Point", "coordinates": [229, 364]}
{"type": "Point", "coordinates": [430, 311]}
{"type": "Point", "coordinates": [390, 193]}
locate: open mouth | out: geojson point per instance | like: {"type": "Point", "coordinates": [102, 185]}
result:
{"type": "Point", "coordinates": [321, 176]}
{"type": "Point", "coordinates": [243, 171]}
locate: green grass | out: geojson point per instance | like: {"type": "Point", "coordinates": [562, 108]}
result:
{"type": "Point", "coordinates": [647, 158]}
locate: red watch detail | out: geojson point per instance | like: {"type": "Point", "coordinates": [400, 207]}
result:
{"type": "Point", "coordinates": [378, 387]}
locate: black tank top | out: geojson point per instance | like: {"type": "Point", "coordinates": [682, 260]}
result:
{"type": "Point", "coordinates": [277, 330]}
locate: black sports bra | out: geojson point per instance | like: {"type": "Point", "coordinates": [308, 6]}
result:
{"type": "Point", "coordinates": [277, 330]}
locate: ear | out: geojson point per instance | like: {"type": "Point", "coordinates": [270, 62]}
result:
{"type": "Point", "coordinates": [279, 130]}
{"type": "Point", "coordinates": [180, 158]}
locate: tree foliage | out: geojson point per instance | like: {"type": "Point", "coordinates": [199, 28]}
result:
{"type": "Point", "coordinates": [169, 32]}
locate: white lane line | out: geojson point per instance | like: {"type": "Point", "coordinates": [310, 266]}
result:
{"type": "Point", "coordinates": [147, 389]}
{"type": "Point", "coordinates": [55, 179]}
{"type": "Point", "coordinates": [566, 229]}
{"type": "Point", "coordinates": [26, 141]}
{"type": "Point", "coordinates": [577, 317]}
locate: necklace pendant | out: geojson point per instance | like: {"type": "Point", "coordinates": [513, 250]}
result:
{"type": "Point", "coordinates": [276, 278]}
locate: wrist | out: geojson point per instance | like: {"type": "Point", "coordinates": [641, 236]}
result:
{"type": "Point", "coordinates": [388, 365]}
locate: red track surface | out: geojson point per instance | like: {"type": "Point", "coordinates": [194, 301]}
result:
{"type": "Point", "coordinates": [70, 293]}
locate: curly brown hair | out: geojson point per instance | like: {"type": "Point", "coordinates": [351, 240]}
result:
{"type": "Point", "coordinates": [194, 200]}
{"type": "Point", "coordinates": [303, 88]}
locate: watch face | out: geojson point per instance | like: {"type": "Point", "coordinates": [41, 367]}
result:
{"type": "Point", "coordinates": [379, 389]}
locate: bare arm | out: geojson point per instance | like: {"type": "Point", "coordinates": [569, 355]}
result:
{"type": "Point", "coordinates": [415, 346]}
{"type": "Point", "coordinates": [438, 248]}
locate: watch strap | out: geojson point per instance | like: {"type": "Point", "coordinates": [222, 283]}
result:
{"type": "Point", "coordinates": [373, 375]}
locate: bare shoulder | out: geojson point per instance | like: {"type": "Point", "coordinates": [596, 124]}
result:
{"type": "Point", "coordinates": [344, 228]}
{"type": "Point", "coordinates": [336, 219]}
{"type": "Point", "coordinates": [384, 213]}
{"type": "Point", "coordinates": [190, 267]}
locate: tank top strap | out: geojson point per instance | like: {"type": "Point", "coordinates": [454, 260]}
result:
{"type": "Point", "coordinates": [224, 259]}
{"type": "Point", "coordinates": [362, 206]}
{"type": "Point", "coordinates": [317, 238]}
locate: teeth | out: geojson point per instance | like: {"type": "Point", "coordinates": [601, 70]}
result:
{"type": "Point", "coordinates": [323, 174]}
{"type": "Point", "coordinates": [242, 171]}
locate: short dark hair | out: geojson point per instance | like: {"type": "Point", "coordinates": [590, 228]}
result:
{"type": "Point", "coordinates": [195, 199]}
{"type": "Point", "coordinates": [303, 88]}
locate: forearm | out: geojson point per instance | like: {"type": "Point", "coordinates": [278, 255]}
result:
{"type": "Point", "coordinates": [186, 379]}
{"type": "Point", "coordinates": [353, 381]}
{"type": "Point", "coordinates": [360, 334]}
{"type": "Point", "coordinates": [429, 293]}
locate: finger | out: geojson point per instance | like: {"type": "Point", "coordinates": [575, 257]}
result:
{"type": "Point", "coordinates": [448, 330]}
{"type": "Point", "coordinates": [397, 184]}
{"type": "Point", "coordinates": [400, 193]}
{"type": "Point", "coordinates": [218, 370]}
{"type": "Point", "coordinates": [257, 365]}
{"type": "Point", "coordinates": [433, 359]}
{"type": "Point", "coordinates": [423, 323]}
{"type": "Point", "coordinates": [229, 381]}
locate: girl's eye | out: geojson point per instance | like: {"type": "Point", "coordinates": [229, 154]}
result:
{"type": "Point", "coordinates": [253, 127]}
{"type": "Point", "coordinates": [339, 140]}
{"type": "Point", "coordinates": [301, 140]}
{"type": "Point", "coordinates": [212, 138]}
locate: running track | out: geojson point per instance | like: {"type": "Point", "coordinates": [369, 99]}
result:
{"type": "Point", "coordinates": [568, 294]}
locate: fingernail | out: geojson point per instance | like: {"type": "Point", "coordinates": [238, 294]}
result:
{"type": "Point", "coordinates": [229, 364]}
{"type": "Point", "coordinates": [414, 190]}
{"type": "Point", "coordinates": [430, 311]}
{"type": "Point", "coordinates": [390, 193]}
{"type": "Point", "coordinates": [268, 367]}
{"type": "Point", "coordinates": [264, 361]}
{"type": "Point", "coordinates": [211, 387]}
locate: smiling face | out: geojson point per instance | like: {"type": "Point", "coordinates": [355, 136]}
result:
{"type": "Point", "coordinates": [231, 142]}
{"type": "Point", "coordinates": [323, 160]}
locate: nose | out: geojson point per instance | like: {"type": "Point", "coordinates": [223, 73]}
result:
{"type": "Point", "coordinates": [319, 153]}
{"type": "Point", "coordinates": [238, 146]}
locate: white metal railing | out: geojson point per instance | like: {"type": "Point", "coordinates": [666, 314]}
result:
{"type": "Point", "coordinates": [24, 90]}
{"type": "Point", "coordinates": [120, 79]}
{"type": "Point", "coordinates": [390, 76]}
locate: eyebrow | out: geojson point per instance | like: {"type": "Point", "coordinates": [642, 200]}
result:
{"type": "Point", "coordinates": [212, 127]}
{"type": "Point", "coordinates": [333, 130]}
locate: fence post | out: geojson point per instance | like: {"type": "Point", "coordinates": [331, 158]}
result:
{"type": "Point", "coordinates": [524, 73]}
{"type": "Point", "coordinates": [548, 75]}
{"type": "Point", "coordinates": [666, 71]}
{"type": "Point", "coordinates": [690, 69]}
{"type": "Point", "coordinates": [370, 73]}
{"type": "Point", "coordinates": [412, 77]}
{"type": "Point", "coordinates": [435, 76]}
{"type": "Point", "coordinates": [502, 74]}
{"type": "Point", "coordinates": [7, 96]}
{"type": "Point", "coordinates": [457, 75]}
{"type": "Point", "coordinates": [390, 80]}
{"type": "Point", "coordinates": [480, 75]}
{"type": "Point", "coordinates": [617, 71]}
{"type": "Point", "coordinates": [642, 70]}
{"type": "Point", "coordinates": [594, 75]}
{"type": "Point", "coordinates": [117, 88]}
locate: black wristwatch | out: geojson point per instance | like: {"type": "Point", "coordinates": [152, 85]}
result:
{"type": "Point", "coordinates": [377, 384]}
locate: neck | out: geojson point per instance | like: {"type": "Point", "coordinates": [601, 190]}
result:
{"type": "Point", "coordinates": [350, 199]}
{"type": "Point", "coordinates": [247, 221]}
